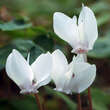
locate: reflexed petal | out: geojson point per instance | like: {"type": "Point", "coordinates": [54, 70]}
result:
{"type": "Point", "coordinates": [81, 33]}
{"type": "Point", "coordinates": [44, 81]}
{"type": "Point", "coordinates": [68, 76]}
{"type": "Point", "coordinates": [60, 67]}
{"type": "Point", "coordinates": [19, 70]}
{"type": "Point", "coordinates": [79, 67]}
{"type": "Point", "coordinates": [79, 58]}
{"type": "Point", "coordinates": [75, 20]}
{"type": "Point", "coordinates": [76, 60]}
{"type": "Point", "coordinates": [88, 19]}
{"type": "Point", "coordinates": [75, 67]}
{"type": "Point", "coordinates": [42, 68]}
{"type": "Point", "coordinates": [83, 79]}
{"type": "Point", "coordinates": [66, 28]}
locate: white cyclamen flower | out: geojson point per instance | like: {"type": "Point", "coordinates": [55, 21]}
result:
{"type": "Point", "coordinates": [29, 77]}
{"type": "Point", "coordinates": [74, 77]}
{"type": "Point", "coordinates": [80, 34]}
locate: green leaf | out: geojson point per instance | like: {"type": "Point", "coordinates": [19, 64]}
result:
{"type": "Point", "coordinates": [12, 25]}
{"type": "Point", "coordinates": [67, 100]}
{"type": "Point", "coordinates": [100, 99]}
{"type": "Point", "coordinates": [32, 32]}
{"type": "Point", "coordinates": [24, 46]}
{"type": "Point", "coordinates": [45, 42]}
{"type": "Point", "coordinates": [27, 103]}
{"type": "Point", "coordinates": [101, 48]}
{"type": "Point", "coordinates": [103, 19]}
{"type": "Point", "coordinates": [35, 52]}
{"type": "Point", "coordinates": [19, 103]}
{"type": "Point", "coordinates": [100, 6]}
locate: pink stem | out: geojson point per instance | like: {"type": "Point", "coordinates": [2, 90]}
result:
{"type": "Point", "coordinates": [79, 102]}
{"type": "Point", "coordinates": [38, 102]}
{"type": "Point", "coordinates": [90, 99]}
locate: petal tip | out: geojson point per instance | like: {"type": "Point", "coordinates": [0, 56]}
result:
{"type": "Point", "coordinates": [57, 13]}
{"type": "Point", "coordinates": [14, 50]}
{"type": "Point", "coordinates": [82, 5]}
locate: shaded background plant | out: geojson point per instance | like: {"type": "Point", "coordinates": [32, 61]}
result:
{"type": "Point", "coordinates": [27, 26]}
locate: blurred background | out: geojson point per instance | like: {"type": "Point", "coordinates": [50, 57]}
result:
{"type": "Point", "coordinates": [26, 25]}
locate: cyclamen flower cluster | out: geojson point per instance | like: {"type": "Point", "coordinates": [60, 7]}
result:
{"type": "Point", "coordinates": [81, 34]}
{"type": "Point", "coordinates": [74, 77]}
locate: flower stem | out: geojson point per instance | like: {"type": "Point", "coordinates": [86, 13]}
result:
{"type": "Point", "coordinates": [89, 99]}
{"type": "Point", "coordinates": [38, 101]}
{"type": "Point", "coordinates": [79, 102]}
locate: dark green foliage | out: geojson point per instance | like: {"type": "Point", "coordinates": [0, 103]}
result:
{"type": "Point", "coordinates": [24, 46]}
{"type": "Point", "coordinates": [101, 48]}
{"type": "Point", "coordinates": [14, 25]}
{"type": "Point", "coordinates": [23, 103]}
{"type": "Point", "coordinates": [71, 105]}
{"type": "Point", "coordinates": [45, 42]}
{"type": "Point", "coordinates": [101, 100]}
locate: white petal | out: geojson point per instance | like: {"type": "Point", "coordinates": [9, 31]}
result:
{"type": "Point", "coordinates": [28, 58]}
{"type": "Point", "coordinates": [42, 68]}
{"type": "Point", "coordinates": [66, 28]}
{"type": "Point", "coordinates": [75, 20]}
{"type": "Point", "coordinates": [64, 91]}
{"type": "Point", "coordinates": [60, 67]}
{"type": "Point", "coordinates": [88, 19]}
{"type": "Point", "coordinates": [84, 78]}
{"type": "Point", "coordinates": [44, 81]}
{"type": "Point", "coordinates": [81, 33]}
{"type": "Point", "coordinates": [74, 67]}
{"type": "Point", "coordinates": [67, 88]}
{"type": "Point", "coordinates": [19, 70]}
{"type": "Point", "coordinates": [79, 58]}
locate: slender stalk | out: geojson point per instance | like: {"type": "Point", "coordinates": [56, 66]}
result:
{"type": "Point", "coordinates": [79, 102]}
{"type": "Point", "coordinates": [38, 101]}
{"type": "Point", "coordinates": [89, 99]}
{"type": "Point", "coordinates": [89, 91]}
